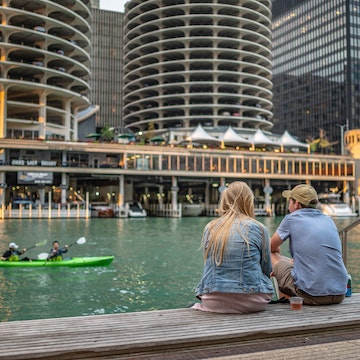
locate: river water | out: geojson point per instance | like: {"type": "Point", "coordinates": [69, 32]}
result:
{"type": "Point", "coordinates": [157, 265]}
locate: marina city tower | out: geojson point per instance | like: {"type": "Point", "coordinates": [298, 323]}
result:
{"type": "Point", "coordinates": [192, 62]}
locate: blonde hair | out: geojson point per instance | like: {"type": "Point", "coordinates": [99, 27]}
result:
{"type": "Point", "coordinates": [236, 202]}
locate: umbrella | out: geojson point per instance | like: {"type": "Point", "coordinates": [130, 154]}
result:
{"type": "Point", "coordinates": [157, 139]}
{"type": "Point", "coordinates": [126, 136]}
{"type": "Point", "coordinates": [93, 135]}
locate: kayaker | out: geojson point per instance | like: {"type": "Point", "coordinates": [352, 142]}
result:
{"type": "Point", "coordinates": [56, 252]}
{"type": "Point", "coordinates": [12, 254]}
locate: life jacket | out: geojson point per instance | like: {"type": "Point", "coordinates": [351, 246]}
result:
{"type": "Point", "coordinates": [57, 258]}
{"type": "Point", "coordinates": [13, 257]}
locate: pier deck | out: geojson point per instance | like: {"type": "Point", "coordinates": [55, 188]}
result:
{"type": "Point", "coordinates": [315, 332]}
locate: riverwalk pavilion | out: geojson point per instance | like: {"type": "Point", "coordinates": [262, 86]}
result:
{"type": "Point", "coordinates": [188, 65]}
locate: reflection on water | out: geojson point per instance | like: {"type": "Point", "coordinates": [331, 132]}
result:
{"type": "Point", "coordinates": [157, 265]}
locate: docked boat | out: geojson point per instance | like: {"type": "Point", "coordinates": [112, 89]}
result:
{"type": "Point", "coordinates": [70, 262]}
{"type": "Point", "coordinates": [135, 209]}
{"type": "Point", "coordinates": [101, 210]}
{"type": "Point", "coordinates": [191, 209]}
{"type": "Point", "coordinates": [262, 212]}
{"type": "Point", "coordinates": [332, 205]}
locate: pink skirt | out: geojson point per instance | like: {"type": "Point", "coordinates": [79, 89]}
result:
{"type": "Point", "coordinates": [233, 303]}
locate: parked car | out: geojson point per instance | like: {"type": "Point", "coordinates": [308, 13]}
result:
{"type": "Point", "coordinates": [39, 28]}
{"type": "Point", "coordinates": [60, 68]}
{"type": "Point", "coordinates": [38, 63]}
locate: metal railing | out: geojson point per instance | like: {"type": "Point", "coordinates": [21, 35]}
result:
{"type": "Point", "coordinates": [343, 236]}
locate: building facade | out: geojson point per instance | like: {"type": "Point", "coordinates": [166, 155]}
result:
{"type": "Point", "coordinates": [316, 73]}
{"type": "Point", "coordinates": [107, 64]}
{"type": "Point", "coordinates": [45, 68]}
{"type": "Point", "coordinates": [188, 63]}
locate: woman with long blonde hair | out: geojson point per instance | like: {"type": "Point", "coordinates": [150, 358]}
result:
{"type": "Point", "coordinates": [237, 262]}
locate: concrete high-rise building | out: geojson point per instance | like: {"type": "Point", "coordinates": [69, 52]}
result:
{"type": "Point", "coordinates": [189, 63]}
{"type": "Point", "coordinates": [316, 67]}
{"type": "Point", "coordinates": [45, 68]}
{"type": "Point", "coordinates": [107, 64]}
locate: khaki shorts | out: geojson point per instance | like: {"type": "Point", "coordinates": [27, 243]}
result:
{"type": "Point", "coordinates": [282, 272]}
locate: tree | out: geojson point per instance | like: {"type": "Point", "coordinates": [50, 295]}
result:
{"type": "Point", "coordinates": [107, 134]}
{"type": "Point", "coordinates": [321, 144]}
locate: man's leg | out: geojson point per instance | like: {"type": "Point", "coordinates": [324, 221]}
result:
{"type": "Point", "coordinates": [282, 266]}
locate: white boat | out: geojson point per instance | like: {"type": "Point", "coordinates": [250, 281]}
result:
{"type": "Point", "coordinates": [101, 210]}
{"type": "Point", "coordinates": [331, 204]}
{"type": "Point", "coordinates": [135, 209]}
{"type": "Point", "coordinates": [191, 209]}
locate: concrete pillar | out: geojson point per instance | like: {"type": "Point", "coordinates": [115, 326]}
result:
{"type": "Point", "coordinates": [42, 194]}
{"type": "Point", "coordinates": [64, 158]}
{"type": "Point", "coordinates": [160, 162]}
{"type": "Point", "coordinates": [160, 196]}
{"type": "Point", "coordinates": [71, 133]}
{"type": "Point", "coordinates": [42, 116]}
{"type": "Point", "coordinates": [346, 192]}
{"type": "Point", "coordinates": [50, 204]}
{"type": "Point", "coordinates": [128, 191]}
{"type": "Point", "coordinates": [222, 182]}
{"type": "Point", "coordinates": [207, 194]}
{"type": "Point", "coordinates": [145, 197]}
{"type": "Point", "coordinates": [87, 212]}
{"type": "Point", "coordinates": [3, 187]}
{"type": "Point", "coordinates": [64, 187]}
{"type": "Point", "coordinates": [124, 161]}
{"type": "Point", "coordinates": [3, 108]}
{"type": "Point", "coordinates": [121, 190]}
{"type": "Point", "coordinates": [174, 192]}
{"type": "Point", "coordinates": [268, 190]}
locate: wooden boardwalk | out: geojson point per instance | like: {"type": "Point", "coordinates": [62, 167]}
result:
{"type": "Point", "coordinates": [324, 332]}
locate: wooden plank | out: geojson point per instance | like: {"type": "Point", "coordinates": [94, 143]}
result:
{"type": "Point", "coordinates": [107, 335]}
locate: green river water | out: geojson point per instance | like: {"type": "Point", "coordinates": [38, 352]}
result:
{"type": "Point", "coordinates": [157, 265]}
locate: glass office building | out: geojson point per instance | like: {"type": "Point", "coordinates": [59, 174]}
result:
{"type": "Point", "coordinates": [107, 63]}
{"type": "Point", "coordinates": [316, 72]}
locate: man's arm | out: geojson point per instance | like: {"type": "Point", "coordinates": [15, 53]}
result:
{"type": "Point", "coordinates": [275, 243]}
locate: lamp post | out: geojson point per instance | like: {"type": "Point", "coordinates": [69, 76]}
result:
{"type": "Point", "coordinates": [342, 136]}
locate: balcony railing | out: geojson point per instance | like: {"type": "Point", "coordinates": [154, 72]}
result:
{"type": "Point", "coordinates": [135, 159]}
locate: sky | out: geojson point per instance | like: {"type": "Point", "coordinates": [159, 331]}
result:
{"type": "Point", "coordinates": [113, 5]}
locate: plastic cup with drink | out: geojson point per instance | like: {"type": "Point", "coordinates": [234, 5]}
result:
{"type": "Point", "coordinates": [296, 303]}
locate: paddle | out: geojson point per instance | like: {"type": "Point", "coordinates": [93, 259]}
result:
{"type": "Point", "coordinates": [44, 256]}
{"type": "Point", "coordinates": [40, 243]}
{"type": "Point", "coordinates": [80, 241]}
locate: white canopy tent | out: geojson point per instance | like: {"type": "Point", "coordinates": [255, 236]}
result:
{"type": "Point", "coordinates": [231, 138]}
{"type": "Point", "coordinates": [286, 140]}
{"type": "Point", "coordinates": [200, 136]}
{"type": "Point", "coordinates": [260, 139]}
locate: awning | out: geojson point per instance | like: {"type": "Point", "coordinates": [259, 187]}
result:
{"type": "Point", "coordinates": [157, 139]}
{"type": "Point", "coordinates": [93, 136]}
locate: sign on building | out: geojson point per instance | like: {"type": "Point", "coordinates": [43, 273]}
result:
{"type": "Point", "coordinates": [30, 177]}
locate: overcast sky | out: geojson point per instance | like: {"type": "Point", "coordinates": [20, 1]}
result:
{"type": "Point", "coordinates": [114, 5]}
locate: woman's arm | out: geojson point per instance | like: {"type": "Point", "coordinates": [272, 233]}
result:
{"type": "Point", "coordinates": [265, 256]}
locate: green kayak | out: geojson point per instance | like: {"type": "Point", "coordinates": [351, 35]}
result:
{"type": "Point", "coordinates": [71, 262]}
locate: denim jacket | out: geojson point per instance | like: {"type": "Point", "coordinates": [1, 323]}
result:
{"type": "Point", "coordinates": [243, 269]}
